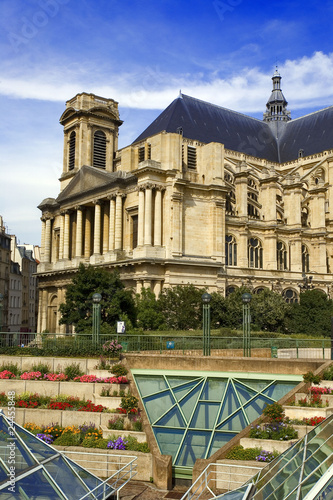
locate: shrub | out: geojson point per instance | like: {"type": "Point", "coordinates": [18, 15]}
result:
{"type": "Point", "coordinates": [274, 412]}
{"type": "Point", "coordinates": [119, 370]}
{"type": "Point", "coordinates": [11, 367]}
{"type": "Point", "coordinates": [112, 348]}
{"type": "Point", "coordinates": [41, 367]}
{"type": "Point", "coordinates": [68, 439]}
{"type": "Point", "coordinates": [137, 424]}
{"type": "Point", "coordinates": [240, 453]}
{"type": "Point", "coordinates": [134, 445]}
{"type": "Point", "coordinates": [276, 431]}
{"type": "Point", "coordinates": [3, 399]}
{"type": "Point", "coordinates": [129, 403]}
{"type": "Point", "coordinates": [116, 423]}
{"type": "Point", "coordinates": [73, 370]}
{"type": "Point", "coordinates": [313, 379]}
{"type": "Point", "coordinates": [95, 443]}
{"type": "Point", "coordinates": [328, 374]}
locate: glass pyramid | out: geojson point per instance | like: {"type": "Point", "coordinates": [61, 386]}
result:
{"type": "Point", "coordinates": [31, 469]}
{"type": "Point", "coordinates": [304, 471]}
{"type": "Point", "coordinates": [194, 415]}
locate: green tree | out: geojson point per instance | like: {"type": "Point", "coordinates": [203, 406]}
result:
{"type": "Point", "coordinates": [149, 315]}
{"type": "Point", "coordinates": [116, 301]}
{"type": "Point", "coordinates": [312, 315]}
{"type": "Point", "coordinates": [233, 315]}
{"type": "Point", "coordinates": [181, 307]}
{"type": "Point", "coordinates": [268, 311]}
{"type": "Point", "coordinates": [217, 310]}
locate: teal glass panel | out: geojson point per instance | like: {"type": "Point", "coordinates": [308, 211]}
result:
{"type": "Point", "coordinates": [157, 405]}
{"type": "Point", "coordinates": [89, 479]}
{"type": "Point", "coordinates": [230, 404]}
{"type": "Point", "coordinates": [235, 423]}
{"type": "Point", "coordinates": [175, 381]}
{"type": "Point", "coordinates": [326, 492]}
{"type": "Point", "coordinates": [149, 384]}
{"type": "Point", "coordinates": [172, 419]}
{"type": "Point", "coordinates": [219, 440]}
{"type": "Point", "coordinates": [244, 393]}
{"type": "Point", "coordinates": [67, 480]}
{"type": "Point", "coordinates": [205, 415]}
{"type": "Point", "coordinates": [188, 403]}
{"type": "Point", "coordinates": [168, 440]}
{"type": "Point", "coordinates": [182, 390]}
{"type": "Point", "coordinates": [13, 452]}
{"type": "Point", "coordinates": [257, 385]}
{"type": "Point", "coordinates": [238, 494]}
{"type": "Point", "coordinates": [3, 472]}
{"type": "Point", "coordinates": [277, 390]}
{"type": "Point", "coordinates": [37, 486]}
{"type": "Point", "coordinates": [194, 446]}
{"type": "Point", "coordinates": [254, 408]}
{"type": "Point", "coordinates": [214, 389]}
{"type": "Point", "coordinates": [36, 446]}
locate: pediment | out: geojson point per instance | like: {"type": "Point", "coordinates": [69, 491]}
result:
{"type": "Point", "coordinates": [90, 179]}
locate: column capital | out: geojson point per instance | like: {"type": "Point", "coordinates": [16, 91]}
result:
{"type": "Point", "coordinates": [47, 216]}
{"type": "Point", "coordinates": [79, 207]}
{"type": "Point", "coordinates": [67, 211]}
{"type": "Point", "coordinates": [121, 194]}
{"type": "Point", "coordinates": [97, 201]}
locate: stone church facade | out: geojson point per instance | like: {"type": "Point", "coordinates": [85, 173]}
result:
{"type": "Point", "coordinates": [204, 195]}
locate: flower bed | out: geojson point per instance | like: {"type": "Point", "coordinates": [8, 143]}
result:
{"type": "Point", "coordinates": [29, 400]}
{"type": "Point", "coordinates": [54, 377]}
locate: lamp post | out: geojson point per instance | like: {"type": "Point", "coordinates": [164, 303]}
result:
{"type": "Point", "coordinates": [307, 282]}
{"type": "Point", "coordinates": [246, 298]}
{"type": "Point", "coordinates": [96, 323]}
{"type": "Point", "coordinates": [206, 298]}
{"type": "Point", "coordinates": [1, 308]}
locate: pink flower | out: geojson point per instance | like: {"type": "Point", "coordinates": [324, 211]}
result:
{"type": "Point", "coordinates": [7, 374]}
{"type": "Point", "coordinates": [31, 375]}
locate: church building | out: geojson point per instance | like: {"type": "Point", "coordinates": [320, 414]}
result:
{"type": "Point", "coordinates": [204, 196]}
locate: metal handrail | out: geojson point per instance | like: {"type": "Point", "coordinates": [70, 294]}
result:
{"type": "Point", "coordinates": [121, 475]}
{"type": "Point", "coordinates": [212, 474]}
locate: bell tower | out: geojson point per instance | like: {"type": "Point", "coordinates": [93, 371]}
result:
{"type": "Point", "coordinates": [276, 107]}
{"type": "Point", "coordinates": [91, 126]}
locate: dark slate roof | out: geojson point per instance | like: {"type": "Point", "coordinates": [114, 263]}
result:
{"type": "Point", "coordinates": [277, 142]}
{"type": "Point", "coordinates": [313, 133]}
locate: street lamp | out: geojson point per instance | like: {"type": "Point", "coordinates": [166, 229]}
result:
{"type": "Point", "coordinates": [307, 282]}
{"type": "Point", "coordinates": [246, 298]}
{"type": "Point", "coordinates": [96, 323]}
{"type": "Point", "coordinates": [206, 298]}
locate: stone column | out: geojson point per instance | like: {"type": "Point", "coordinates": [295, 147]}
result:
{"type": "Point", "coordinates": [177, 224]}
{"type": "Point", "coordinates": [97, 228]}
{"type": "Point", "coordinates": [42, 240]}
{"type": "Point", "coordinates": [40, 311]}
{"type": "Point", "coordinates": [157, 288]}
{"type": "Point", "coordinates": [148, 215]}
{"type": "Point", "coordinates": [61, 237]}
{"type": "Point", "coordinates": [87, 234]}
{"type": "Point", "coordinates": [295, 249]}
{"type": "Point", "coordinates": [66, 235]}
{"type": "Point", "coordinates": [44, 310]}
{"type": "Point", "coordinates": [218, 232]}
{"type": "Point", "coordinates": [105, 241]}
{"type": "Point", "coordinates": [141, 217]}
{"type": "Point", "coordinates": [119, 221]}
{"type": "Point", "coordinates": [112, 223]}
{"type": "Point", "coordinates": [158, 217]}
{"type": "Point", "coordinates": [269, 253]}
{"type": "Point", "coordinates": [47, 247]}
{"type": "Point", "coordinates": [78, 245]}
{"type": "Point", "coordinates": [242, 258]}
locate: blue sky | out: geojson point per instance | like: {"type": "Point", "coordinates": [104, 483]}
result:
{"type": "Point", "coordinates": [141, 53]}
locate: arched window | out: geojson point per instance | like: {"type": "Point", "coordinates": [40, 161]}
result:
{"type": "Point", "coordinates": [281, 256]}
{"type": "Point", "coordinates": [290, 296]}
{"type": "Point", "coordinates": [230, 251]}
{"type": "Point", "coordinates": [305, 259]}
{"type": "Point", "coordinates": [259, 290]}
{"type": "Point", "coordinates": [99, 157]}
{"type": "Point", "coordinates": [254, 253]}
{"type": "Point", "coordinates": [71, 151]}
{"type": "Point", "coordinates": [230, 289]}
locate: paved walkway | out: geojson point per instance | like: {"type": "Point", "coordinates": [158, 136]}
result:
{"type": "Point", "coordinates": [139, 490]}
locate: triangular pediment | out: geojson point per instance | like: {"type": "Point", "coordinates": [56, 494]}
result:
{"type": "Point", "coordinates": [93, 180]}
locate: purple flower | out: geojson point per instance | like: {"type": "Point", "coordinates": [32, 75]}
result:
{"type": "Point", "coordinates": [47, 438]}
{"type": "Point", "coordinates": [117, 444]}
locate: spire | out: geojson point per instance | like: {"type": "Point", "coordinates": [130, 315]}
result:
{"type": "Point", "coordinates": [276, 107]}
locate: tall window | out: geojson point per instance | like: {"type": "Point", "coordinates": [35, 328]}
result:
{"type": "Point", "coordinates": [134, 231]}
{"type": "Point", "coordinates": [305, 259]}
{"type": "Point", "coordinates": [281, 256]}
{"type": "Point", "coordinates": [71, 151]}
{"type": "Point", "coordinates": [230, 251]}
{"type": "Point", "coordinates": [254, 253]}
{"type": "Point", "coordinates": [99, 156]}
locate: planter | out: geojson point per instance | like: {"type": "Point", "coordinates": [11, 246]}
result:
{"type": "Point", "coordinates": [112, 402]}
{"type": "Point", "coordinates": [300, 412]}
{"type": "Point", "coordinates": [114, 460]}
{"type": "Point", "coordinates": [231, 474]}
{"type": "Point", "coordinates": [140, 436]}
{"type": "Point", "coordinates": [326, 383]}
{"type": "Point", "coordinates": [303, 430]}
{"type": "Point", "coordinates": [267, 444]}
{"type": "Point", "coordinates": [324, 397]}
